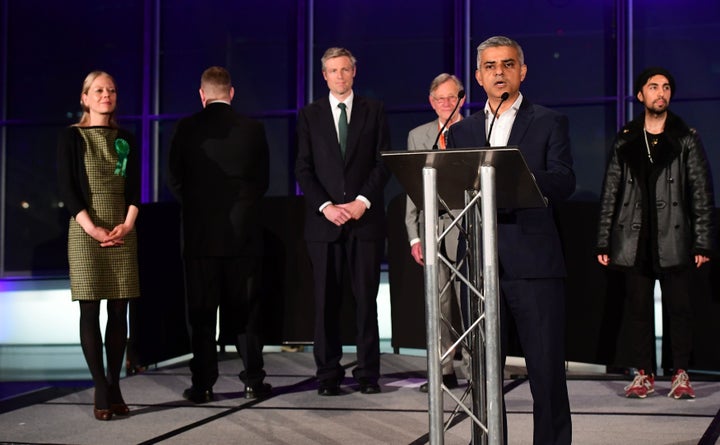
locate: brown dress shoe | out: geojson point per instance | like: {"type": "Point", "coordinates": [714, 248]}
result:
{"type": "Point", "coordinates": [102, 414]}
{"type": "Point", "coordinates": [117, 404]}
{"type": "Point", "coordinates": [119, 409]}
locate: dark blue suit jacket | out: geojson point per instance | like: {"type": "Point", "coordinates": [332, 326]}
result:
{"type": "Point", "coordinates": [528, 241]}
{"type": "Point", "coordinates": [323, 175]}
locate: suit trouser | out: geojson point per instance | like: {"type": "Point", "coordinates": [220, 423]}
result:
{"type": "Point", "coordinates": [232, 280]}
{"type": "Point", "coordinates": [538, 309]}
{"type": "Point", "coordinates": [639, 292]}
{"type": "Point", "coordinates": [362, 258]}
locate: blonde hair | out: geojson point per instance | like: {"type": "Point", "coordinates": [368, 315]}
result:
{"type": "Point", "coordinates": [89, 79]}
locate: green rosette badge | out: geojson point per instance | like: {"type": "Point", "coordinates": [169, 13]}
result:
{"type": "Point", "coordinates": [123, 149]}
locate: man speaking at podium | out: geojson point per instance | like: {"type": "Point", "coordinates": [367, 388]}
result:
{"type": "Point", "coordinates": [532, 268]}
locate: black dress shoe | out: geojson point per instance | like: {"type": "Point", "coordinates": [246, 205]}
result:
{"type": "Point", "coordinates": [197, 395]}
{"type": "Point", "coordinates": [329, 388]}
{"type": "Point", "coordinates": [368, 386]}
{"type": "Point", "coordinates": [449, 380]}
{"type": "Point", "coordinates": [258, 391]}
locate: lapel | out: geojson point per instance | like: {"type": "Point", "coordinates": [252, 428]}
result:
{"type": "Point", "coordinates": [522, 123]}
{"type": "Point", "coordinates": [479, 129]}
{"type": "Point", "coordinates": [430, 134]}
{"type": "Point", "coordinates": [357, 121]}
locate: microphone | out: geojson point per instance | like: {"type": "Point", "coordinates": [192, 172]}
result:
{"type": "Point", "coordinates": [503, 98]}
{"type": "Point", "coordinates": [461, 94]}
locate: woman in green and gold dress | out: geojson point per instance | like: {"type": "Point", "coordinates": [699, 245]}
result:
{"type": "Point", "coordinates": [98, 169]}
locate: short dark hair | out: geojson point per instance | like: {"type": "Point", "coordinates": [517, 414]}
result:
{"type": "Point", "coordinates": [496, 41]}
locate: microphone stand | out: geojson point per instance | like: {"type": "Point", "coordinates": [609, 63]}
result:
{"type": "Point", "coordinates": [503, 98]}
{"type": "Point", "coordinates": [461, 94]}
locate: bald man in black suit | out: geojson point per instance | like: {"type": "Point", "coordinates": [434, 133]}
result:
{"type": "Point", "coordinates": [341, 174]}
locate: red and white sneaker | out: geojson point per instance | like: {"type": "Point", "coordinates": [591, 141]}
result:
{"type": "Point", "coordinates": [681, 387]}
{"type": "Point", "coordinates": [641, 386]}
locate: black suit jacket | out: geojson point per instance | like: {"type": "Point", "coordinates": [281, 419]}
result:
{"type": "Point", "coordinates": [323, 175]}
{"type": "Point", "coordinates": [528, 240]}
{"type": "Point", "coordinates": [219, 171]}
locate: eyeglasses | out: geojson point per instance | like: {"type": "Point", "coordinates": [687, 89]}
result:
{"type": "Point", "coordinates": [450, 99]}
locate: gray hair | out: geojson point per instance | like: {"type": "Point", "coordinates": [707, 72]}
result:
{"type": "Point", "coordinates": [442, 78]}
{"type": "Point", "coordinates": [334, 52]}
{"type": "Point", "coordinates": [496, 41]}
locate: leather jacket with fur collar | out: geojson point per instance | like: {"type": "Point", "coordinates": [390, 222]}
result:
{"type": "Point", "coordinates": [684, 199]}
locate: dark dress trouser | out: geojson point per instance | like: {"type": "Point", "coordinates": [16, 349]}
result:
{"type": "Point", "coordinates": [538, 309]}
{"type": "Point", "coordinates": [232, 281]}
{"type": "Point", "coordinates": [329, 260]}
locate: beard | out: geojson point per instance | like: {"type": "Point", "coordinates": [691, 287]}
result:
{"type": "Point", "coordinates": [656, 110]}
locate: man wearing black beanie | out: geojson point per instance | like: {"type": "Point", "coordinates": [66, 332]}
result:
{"type": "Point", "coordinates": [656, 223]}
{"type": "Point", "coordinates": [653, 71]}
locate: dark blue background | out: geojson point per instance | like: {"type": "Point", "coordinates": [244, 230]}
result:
{"type": "Point", "coordinates": [582, 56]}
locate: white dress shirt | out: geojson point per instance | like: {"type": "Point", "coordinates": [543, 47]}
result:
{"type": "Point", "coordinates": [503, 123]}
{"type": "Point", "coordinates": [336, 115]}
{"type": "Point", "coordinates": [336, 111]}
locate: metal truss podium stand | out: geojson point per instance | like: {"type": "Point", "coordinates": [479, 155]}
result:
{"type": "Point", "coordinates": [466, 179]}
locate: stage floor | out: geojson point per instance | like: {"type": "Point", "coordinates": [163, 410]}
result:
{"type": "Point", "coordinates": [296, 415]}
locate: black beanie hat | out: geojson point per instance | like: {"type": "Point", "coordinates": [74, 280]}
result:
{"type": "Point", "coordinates": [654, 71]}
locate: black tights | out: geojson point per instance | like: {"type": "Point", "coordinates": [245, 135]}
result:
{"type": "Point", "coordinates": [107, 388]}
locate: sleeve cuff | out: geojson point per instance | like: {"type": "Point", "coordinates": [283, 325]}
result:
{"type": "Point", "coordinates": [364, 200]}
{"type": "Point", "coordinates": [324, 204]}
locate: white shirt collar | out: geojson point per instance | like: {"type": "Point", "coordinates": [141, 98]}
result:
{"type": "Point", "coordinates": [348, 101]}
{"type": "Point", "coordinates": [218, 101]}
{"type": "Point", "coordinates": [503, 124]}
{"type": "Point", "coordinates": [348, 107]}
{"type": "Point", "coordinates": [515, 106]}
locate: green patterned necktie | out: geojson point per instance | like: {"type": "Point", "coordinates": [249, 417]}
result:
{"type": "Point", "coordinates": [342, 128]}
